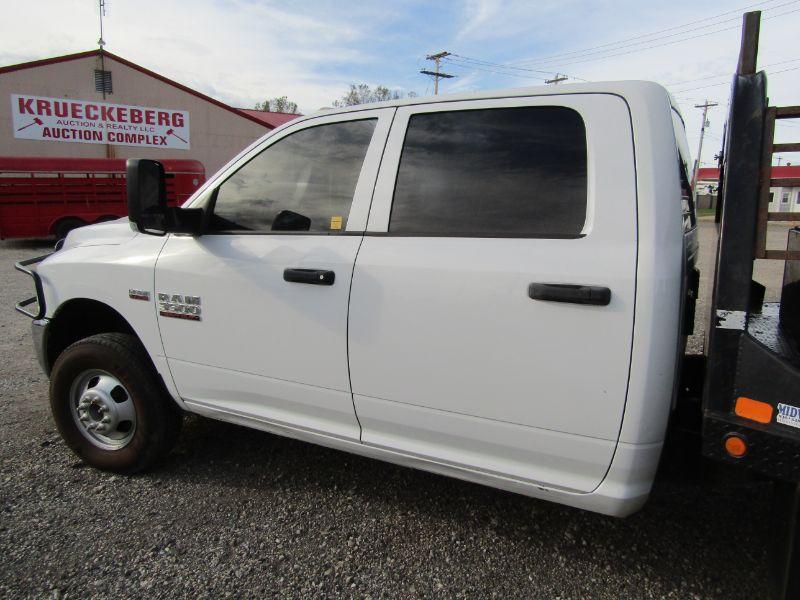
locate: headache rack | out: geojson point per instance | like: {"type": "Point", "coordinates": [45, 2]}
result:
{"type": "Point", "coordinates": [751, 388]}
{"type": "Point", "coordinates": [769, 147]}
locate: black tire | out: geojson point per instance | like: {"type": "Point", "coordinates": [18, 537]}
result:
{"type": "Point", "coordinates": [64, 226]}
{"type": "Point", "coordinates": [158, 420]}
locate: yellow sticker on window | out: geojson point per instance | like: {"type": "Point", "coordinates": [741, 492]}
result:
{"type": "Point", "coordinates": [336, 222]}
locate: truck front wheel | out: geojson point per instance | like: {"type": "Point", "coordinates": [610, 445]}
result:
{"type": "Point", "coordinates": [109, 406]}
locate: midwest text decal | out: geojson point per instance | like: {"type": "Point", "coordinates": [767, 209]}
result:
{"type": "Point", "coordinates": [67, 120]}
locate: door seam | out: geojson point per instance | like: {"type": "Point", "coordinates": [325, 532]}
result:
{"type": "Point", "coordinates": [353, 274]}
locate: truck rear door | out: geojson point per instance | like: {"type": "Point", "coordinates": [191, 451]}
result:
{"type": "Point", "coordinates": [492, 301]}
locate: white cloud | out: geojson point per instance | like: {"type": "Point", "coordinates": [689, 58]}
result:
{"type": "Point", "coordinates": [477, 14]}
{"type": "Point", "coordinates": [240, 52]}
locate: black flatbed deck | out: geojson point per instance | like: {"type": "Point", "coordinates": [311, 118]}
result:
{"type": "Point", "coordinates": [765, 327]}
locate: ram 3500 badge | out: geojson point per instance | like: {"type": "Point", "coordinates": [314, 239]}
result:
{"type": "Point", "coordinates": [178, 306]}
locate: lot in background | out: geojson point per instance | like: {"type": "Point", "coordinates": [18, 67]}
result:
{"type": "Point", "coordinates": [239, 512]}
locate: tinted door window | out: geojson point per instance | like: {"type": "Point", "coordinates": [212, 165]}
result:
{"type": "Point", "coordinates": [304, 182]}
{"type": "Point", "coordinates": [493, 172]}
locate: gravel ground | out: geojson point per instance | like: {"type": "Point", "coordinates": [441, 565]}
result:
{"type": "Point", "coordinates": [236, 512]}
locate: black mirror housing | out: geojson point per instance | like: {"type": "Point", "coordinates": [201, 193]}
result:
{"type": "Point", "coordinates": [147, 195]}
{"type": "Point", "coordinates": [147, 202]}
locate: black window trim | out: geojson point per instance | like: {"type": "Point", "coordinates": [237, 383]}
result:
{"type": "Point", "coordinates": [479, 235]}
{"type": "Point", "coordinates": [683, 175]}
{"type": "Point", "coordinates": [487, 235]}
{"type": "Point", "coordinates": [212, 201]}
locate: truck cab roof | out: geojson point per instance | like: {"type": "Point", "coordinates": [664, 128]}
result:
{"type": "Point", "coordinates": [626, 88]}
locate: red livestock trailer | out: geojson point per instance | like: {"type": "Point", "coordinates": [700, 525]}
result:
{"type": "Point", "coordinates": [40, 197]}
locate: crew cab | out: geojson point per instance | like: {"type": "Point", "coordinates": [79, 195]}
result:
{"type": "Point", "coordinates": [488, 286]}
{"type": "Point", "coordinates": [493, 286]}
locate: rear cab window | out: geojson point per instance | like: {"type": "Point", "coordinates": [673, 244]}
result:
{"type": "Point", "coordinates": [496, 172]}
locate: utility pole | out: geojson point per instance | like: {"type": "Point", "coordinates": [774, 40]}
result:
{"type": "Point", "coordinates": [557, 79]}
{"type": "Point", "coordinates": [436, 74]}
{"type": "Point", "coordinates": [110, 153]}
{"type": "Point", "coordinates": [705, 106]}
{"type": "Point", "coordinates": [101, 42]}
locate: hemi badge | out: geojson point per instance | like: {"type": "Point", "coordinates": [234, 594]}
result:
{"type": "Point", "coordinates": [138, 295]}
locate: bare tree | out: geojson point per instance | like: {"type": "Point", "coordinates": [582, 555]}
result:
{"type": "Point", "coordinates": [279, 104]}
{"type": "Point", "coordinates": [362, 94]}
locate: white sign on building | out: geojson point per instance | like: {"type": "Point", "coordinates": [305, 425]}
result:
{"type": "Point", "coordinates": [89, 122]}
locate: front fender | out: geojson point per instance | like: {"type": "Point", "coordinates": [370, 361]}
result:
{"type": "Point", "coordinates": [108, 274]}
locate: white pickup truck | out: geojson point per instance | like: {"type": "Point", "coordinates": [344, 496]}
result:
{"type": "Point", "coordinates": [487, 286]}
{"type": "Point", "coordinates": [491, 286]}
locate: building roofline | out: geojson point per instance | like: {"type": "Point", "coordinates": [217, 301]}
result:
{"type": "Point", "coordinates": [272, 112]}
{"type": "Point", "coordinates": [127, 63]}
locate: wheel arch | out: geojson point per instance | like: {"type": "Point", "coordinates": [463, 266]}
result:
{"type": "Point", "coordinates": [79, 318]}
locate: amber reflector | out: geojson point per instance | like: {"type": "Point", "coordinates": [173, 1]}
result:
{"type": "Point", "coordinates": [735, 446]}
{"type": "Point", "coordinates": [754, 410]}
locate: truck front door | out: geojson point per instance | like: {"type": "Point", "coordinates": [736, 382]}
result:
{"type": "Point", "coordinates": [253, 313]}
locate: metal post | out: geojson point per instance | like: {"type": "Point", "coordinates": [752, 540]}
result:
{"type": "Point", "coordinates": [748, 52]}
{"type": "Point", "coordinates": [737, 236]}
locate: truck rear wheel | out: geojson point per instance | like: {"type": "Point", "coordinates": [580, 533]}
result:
{"type": "Point", "coordinates": [109, 405]}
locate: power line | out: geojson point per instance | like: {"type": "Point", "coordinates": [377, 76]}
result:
{"type": "Point", "coordinates": [575, 62]}
{"type": "Point", "coordinates": [465, 62]}
{"type": "Point", "coordinates": [648, 35]}
{"type": "Point", "coordinates": [500, 71]}
{"type": "Point", "coordinates": [702, 87]}
{"type": "Point", "coordinates": [783, 62]}
{"type": "Point", "coordinates": [508, 74]}
{"type": "Point", "coordinates": [492, 67]}
{"type": "Point", "coordinates": [498, 68]}
{"type": "Point", "coordinates": [478, 61]}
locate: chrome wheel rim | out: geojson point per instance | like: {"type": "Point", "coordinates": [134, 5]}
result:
{"type": "Point", "coordinates": [102, 409]}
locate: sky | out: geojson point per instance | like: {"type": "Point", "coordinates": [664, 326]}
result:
{"type": "Point", "coordinates": [244, 51]}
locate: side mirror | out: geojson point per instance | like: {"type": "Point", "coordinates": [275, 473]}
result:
{"type": "Point", "coordinates": [147, 195]}
{"type": "Point", "coordinates": [147, 201]}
